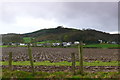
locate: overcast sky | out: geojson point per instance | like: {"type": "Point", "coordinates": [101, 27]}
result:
{"type": "Point", "coordinates": [24, 17]}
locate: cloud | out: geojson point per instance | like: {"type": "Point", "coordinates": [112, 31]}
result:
{"type": "Point", "coordinates": [18, 16]}
{"type": "Point", "coordinates": [101, 16]}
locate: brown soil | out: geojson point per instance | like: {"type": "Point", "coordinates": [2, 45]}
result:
{"type": "Point", "coordinates": [60, 54]}
{"type": "Point", "coordinates": [66, 68]}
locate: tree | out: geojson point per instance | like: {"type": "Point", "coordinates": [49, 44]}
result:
{"type": "Point", "coordinates": [66, 38]}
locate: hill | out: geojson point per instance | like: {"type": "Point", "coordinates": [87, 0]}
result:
{"type": "Point", "coordinates": [64, 34]}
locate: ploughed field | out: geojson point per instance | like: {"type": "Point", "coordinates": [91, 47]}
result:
{"type": "Point", "coordinates": [61, 54]}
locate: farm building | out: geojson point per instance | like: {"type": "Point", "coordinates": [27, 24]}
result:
{"type": "Point", "coordinates": [22, 44]}
{"type": "Point", "coordinates": [55, 44]}
{"type": "Point", "coordinates": [76, 42]}
{"type": "Point", "coordinates": [65, 44]}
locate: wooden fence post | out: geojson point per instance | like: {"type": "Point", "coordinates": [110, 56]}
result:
{"type": "Point", "coordinates": [10, 60]}
{"type": "Point", "coordinates": [73, 62]}
{"type": "Point", "coordinates": [30, 57]}
{"type": "Point", "coordinates": [80, 48]}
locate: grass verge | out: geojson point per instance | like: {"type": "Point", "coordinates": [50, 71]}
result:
{"type": "Point", "coordinates": [63, 63]}
{"type": "Point", "coordinates": [103, 46]}
{"type": "Point", "coordinates": [22, 74]}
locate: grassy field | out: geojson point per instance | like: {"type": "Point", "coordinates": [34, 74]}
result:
{"type": "Point", "coordinates": [60, 75]}
{"type": "Point", "coordinates": [4, 46]}
{"type": "Point", "coordinates": [103, 45]}
{"type": "Point", "coordinates": [64, 63]}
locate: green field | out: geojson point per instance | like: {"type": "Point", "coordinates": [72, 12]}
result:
{"type": "Point", "coordinates": [58, 75]}
{"type": "Point", "coordinates": [103, 45]}
{"type": "Point", "coordinates": [4, 46]}
{"type": "Point", "coordinates": [64, 63]}
{"type": "Point", "coordinates": [62, 74]}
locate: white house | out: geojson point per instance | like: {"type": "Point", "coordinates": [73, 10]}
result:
{"type": "Point", "coordinates": [67, 44]}
{"type": "Point", "coordinates": [113, 42]}
{"type": "Point", "coordinates": [100, 41]}
{"type": "Point", "coordinates": [22, 44]}
{"type": "Point", "coordinates": [56, 44]}
{"type": "Point", "coordinates": [76, 42]}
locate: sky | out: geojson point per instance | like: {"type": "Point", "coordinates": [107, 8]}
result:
{"type": "Point", "coordinates": [25, 17]}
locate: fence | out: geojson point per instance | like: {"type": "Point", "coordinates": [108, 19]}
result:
{"type": "Point", "coordinates": [80, 49]}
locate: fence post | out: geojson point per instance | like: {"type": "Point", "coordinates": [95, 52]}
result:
{"type": "Point", "coordinates": [10, 60]}
{"type": "Point", "coordinates": [80, 48]}
{"type": "Point", "coordinates": [73, 62]}
{"type": "Point", "coordinates": [30, 57]}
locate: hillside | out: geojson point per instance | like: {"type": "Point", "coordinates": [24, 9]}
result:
{"type": "Point", "coordinates": [63, 34]}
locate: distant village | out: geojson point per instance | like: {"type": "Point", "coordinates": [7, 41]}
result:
{"type": "Point", "coordinates": [64, 44]}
